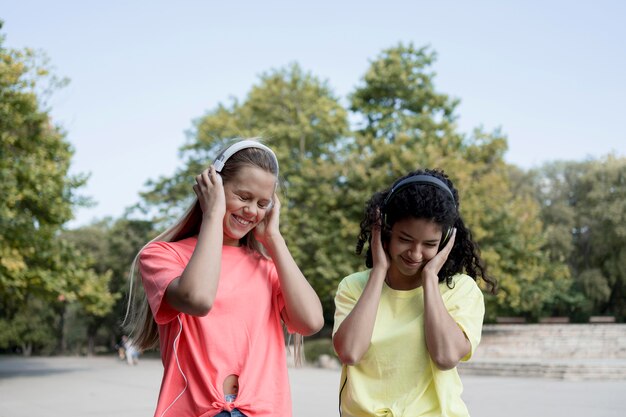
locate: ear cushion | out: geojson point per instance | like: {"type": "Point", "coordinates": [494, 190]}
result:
{"type": "Point", "coordinates": [445, 237]}
{"type": "Point", "coordinates": [383, 216]}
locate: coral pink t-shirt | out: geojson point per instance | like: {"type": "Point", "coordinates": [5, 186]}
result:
{"type": "Point", "coordinates": [241, 335]}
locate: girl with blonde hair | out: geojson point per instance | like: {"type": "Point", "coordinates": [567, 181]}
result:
{"type": "Point", "coordinates": [218, 286]}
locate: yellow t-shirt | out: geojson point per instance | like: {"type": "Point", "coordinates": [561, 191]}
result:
{"type": "Point", "coordinates": [396, 376]}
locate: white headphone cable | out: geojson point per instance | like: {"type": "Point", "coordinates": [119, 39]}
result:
{"type": "Point", "coordinates": [178, 364]}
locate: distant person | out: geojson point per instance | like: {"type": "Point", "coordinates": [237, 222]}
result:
{"type": "Point", "coordinates": [121, 352]}
{"type": "Point", "coordinates": [402, 326]}
{"type": "Point", "coordinates": [220, 283]}
{"type": "Point", "coordinates": [130, 350]}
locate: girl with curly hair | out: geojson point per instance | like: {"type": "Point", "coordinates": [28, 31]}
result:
{"type": "Point", "coordinates": [403, 325]}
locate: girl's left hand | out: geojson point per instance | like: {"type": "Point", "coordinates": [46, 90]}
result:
{"type": "Point", "coordinates": [268, 227]}
{"type": "Point", "coordinates": [433, 266]}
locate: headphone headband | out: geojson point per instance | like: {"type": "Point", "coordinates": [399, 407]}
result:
{"type": "Point", "coordinates": [220, 161]}
{"type": "Point", "coordinates": [421, 179]}
{"type": "Point", "coordinates": [418, 179]}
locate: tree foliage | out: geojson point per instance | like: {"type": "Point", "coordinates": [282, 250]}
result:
{"type": "Point", "coordinates": [304, 123]}
{"type": "Point", "coordinates": [553, 238]}
{"type": "Point", "coordinates": [401, 122]}
{"type": "Point", "coordinates": [407, 124]}
{"type": "Point", "coordinates": [37, 267]}
{"type": "Point", "coordinates": [110, 246]}
{"type": "Point", "coordinates": [584, 204]}
{"type": "Point", "coordinates": [295, 113]}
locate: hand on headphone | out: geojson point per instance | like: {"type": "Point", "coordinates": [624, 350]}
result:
{"type": "Point", "coordinates": [269, 226]}
{"type": "Point", "coordinates": [433, 266]}
{"type": "Point", "coordinates": [380, 258]}
{"type": "Point", "coordinates": [210, 192]}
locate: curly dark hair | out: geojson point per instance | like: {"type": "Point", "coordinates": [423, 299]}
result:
{"type": "Point", "coordinates": [425, 201]}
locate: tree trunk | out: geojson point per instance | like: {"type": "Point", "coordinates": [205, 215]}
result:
{"type": "Point", "coordinates": [27, 349]}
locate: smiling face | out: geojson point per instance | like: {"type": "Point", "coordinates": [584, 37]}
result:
{"type": "Point", "coordinates": [413, 242]}
{"type": "Point", "coordinates": [249, 195]}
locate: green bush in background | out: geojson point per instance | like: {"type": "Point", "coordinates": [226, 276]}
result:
{"type": "Point", "coordinates": [315, 348]}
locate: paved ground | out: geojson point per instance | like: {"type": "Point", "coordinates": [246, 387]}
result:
{"type": "Point", "coordinates": [104, 386]}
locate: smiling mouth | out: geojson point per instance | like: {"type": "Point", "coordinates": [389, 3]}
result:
{"type": "Point", "coordinates": [242, 221]}
{"type": "Point", "coordinates": [411, 263]}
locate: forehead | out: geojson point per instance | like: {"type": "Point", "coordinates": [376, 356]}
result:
{"type": "Point", "coordinates": [416, 227]}
{"type": "Point", "coordinates": [253, 180]}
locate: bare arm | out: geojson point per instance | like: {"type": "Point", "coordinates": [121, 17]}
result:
{"type": "Point", "coordinates": [303, 309]}
{"type": "Point", "coordinates": [446, 342]}
{"type": "Point", "coordinates": [194, 291]}
{"type": "Point", "coordinates": [354, 335]}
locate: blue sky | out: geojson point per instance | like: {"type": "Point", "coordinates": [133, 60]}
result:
{"type": "Point", "coordinates": [550, 74]}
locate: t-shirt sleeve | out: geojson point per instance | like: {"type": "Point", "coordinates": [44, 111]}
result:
{"type": "Point", "coordinates": [345, 300]}
{"type": "Point", "coordinates": [159, 265]}
{"type": "Point", "coordinates": [466, 305]}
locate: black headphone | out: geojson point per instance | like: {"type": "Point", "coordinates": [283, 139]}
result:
{"type": "Point", "coordinates": [419, 179]}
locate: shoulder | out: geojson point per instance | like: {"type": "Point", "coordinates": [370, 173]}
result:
{"type": "Point", "coordinates": [354, 282]}
{"type": "Point", "coordinates": [463, 286]}
{"type": "Point", "coordinates": [175, 251]}
{"type": "Point", "coordinates": [348, 292]}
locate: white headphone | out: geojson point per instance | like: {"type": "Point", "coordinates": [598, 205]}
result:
{"type": "Point", "coordinates": [220, 161]}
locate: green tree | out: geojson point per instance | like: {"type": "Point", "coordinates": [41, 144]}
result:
{"type": "Point", "coordinates": [37, 268]}
{"type": "Point", "coordinates": [295, 113]}
{"type": "Point", "coordinates": [300, 118]}
{"type": "Point", "coordinates": [584, 205]}
{"type": "Point", "coordinates": [401, 122]}
{"type": "Point", "coordinates": [601, 237]}
{"type": "Point", "coordinates": [31, 328]}
{"type": "Point", "coordinates": [111, 246]}
{"type": "Point", "coordinates": [405, 124]}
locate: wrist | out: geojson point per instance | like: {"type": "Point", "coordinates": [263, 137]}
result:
{"type": "Point", "coordinates": [273, 241]}
{"type": "Point", "coordinates": [430, 279]}
{"type": "Point", "coordinates": [378, 273]}
{"type": "Point", "coordinates": [213, 213]}
{"type": "Point", "coordinates": [211, 221]}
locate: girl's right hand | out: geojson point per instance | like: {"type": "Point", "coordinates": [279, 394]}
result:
{"type": "Point", "coordinates": [380, 257]}
{"type": "Point", "coordinates": [210, 192]}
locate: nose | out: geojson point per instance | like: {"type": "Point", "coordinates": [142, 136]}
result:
{"type": "Point", "coordinates": [415, 252]}
{"type": "Point", "coordinates": [250, 210]}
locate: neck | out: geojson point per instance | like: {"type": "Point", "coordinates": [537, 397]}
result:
{"type": "Point", "coordinates": [399, 282]}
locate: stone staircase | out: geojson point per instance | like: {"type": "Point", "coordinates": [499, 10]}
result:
{"type": "Point", "coordinates": [563, 351]}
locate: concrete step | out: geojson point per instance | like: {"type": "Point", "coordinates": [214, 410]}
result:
{"type": "Point", "coordinates": [561, 351]}
{"type": "Point", "coordinates": [567, 370]}
{"type": "Point", "coordinates": [553, 341]}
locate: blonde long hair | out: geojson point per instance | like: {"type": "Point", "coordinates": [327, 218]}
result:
{"type": "Point", "coordinates": [139, 319]}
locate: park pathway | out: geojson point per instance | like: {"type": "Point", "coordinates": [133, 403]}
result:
{"type": "Point", "coordinates": [106, 387]}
